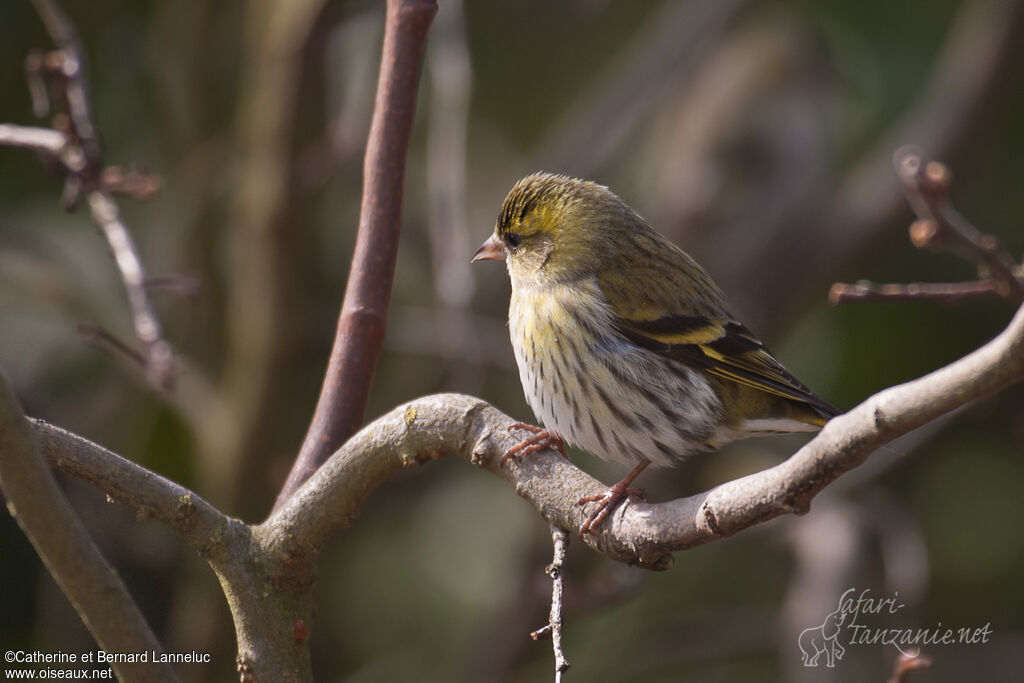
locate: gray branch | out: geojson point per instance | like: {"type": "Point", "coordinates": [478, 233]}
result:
{"type": "Point", "coordinates": [200, 524]}
{"type": "Point", "coordinates": [553, 629]}
{"type": "Point", "coordinates": [266, 621]}
{"type": "Point", "coordinates": [67, 549]}
{"type": "Point", "coordinates": [42, 140]}
{"type": "Point", "coordinates": [158, 356]}
{"type": "Point", "coordinates": [639, 533]}
{"type": "Point", "coordinates": [642, 533]}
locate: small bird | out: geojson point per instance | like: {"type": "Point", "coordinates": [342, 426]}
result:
{"type": "Point", "coordinates": [624, 344]}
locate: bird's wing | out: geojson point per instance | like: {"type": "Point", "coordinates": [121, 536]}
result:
{"type": "Point", "coordinates": [683, 318]}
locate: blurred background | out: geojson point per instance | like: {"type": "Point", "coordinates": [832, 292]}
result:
{"type": "Point", "coordinates": [757, 134]}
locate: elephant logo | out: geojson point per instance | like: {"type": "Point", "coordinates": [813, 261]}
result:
{"type": "Point", "coordinates": [823, 640]}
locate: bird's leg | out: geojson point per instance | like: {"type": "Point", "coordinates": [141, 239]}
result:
{"type": "Point", "coordinates": [611, 499]}
{"type": "Point", "coordinates": [541, 439]}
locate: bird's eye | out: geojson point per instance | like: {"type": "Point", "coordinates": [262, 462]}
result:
{"type": "Point", "coordinates": [512, 239]}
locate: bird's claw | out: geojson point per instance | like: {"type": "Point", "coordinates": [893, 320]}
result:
{"type": "Point", "coordinates": [607, 502]}
{"type": "Point", "coordinates": [541, 439]}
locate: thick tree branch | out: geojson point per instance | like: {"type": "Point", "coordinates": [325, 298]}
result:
{"type": "Point", "coordinates": [639, 533]}
{"type": "Point", "coordinates": [265, 620]}
{"type": "Point", "coordinates": [360, 333]}
{"type": "Point", "coordinates": [200, 524]}
{"type": "Point", "coordinates": [67, 549]}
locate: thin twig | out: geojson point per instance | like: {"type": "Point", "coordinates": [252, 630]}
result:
{"type": "Point", "coordinates": [940, 227]}
{"type": "Point", "coordinates": [36, 84]}
{"type": "Point", "coordinates": [560, 541]}
{"type": "Point", "coordinates": [451, 79]}
{"type": "Point", "coordinates": [158, 354]}
{"type": "Point", "coordinates": [357, 343]}
{"type": "Point", "coordinates": [104, 340]}
{"type": "Point", "coordinates": [42, 140]}
{"type": "Point", "coordinates": [72, 68]}
{"type": "Point", "coordinates": [978, 60]}
{"type": "Point", "coordinates": [134, 183]}
{"type": "Point", "coordinates": [864, 291]}
{"type": "Point", "coordinates": [180, 285]}
{"type": "Point", "coordinates": [74, 143]}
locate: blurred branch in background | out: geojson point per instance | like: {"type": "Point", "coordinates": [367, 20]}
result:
{"type": "Point", "coordinates": [451, 81]}
{"type": "Point", "coordinates": [268, 230]}
{"type": "Point", "coordinates": [940, 227]}
{"type": "Point", "coordinates": [944, 292]}
{"type": "Point", "coordinates": [664, 52]}
{"type": "Point", "coordinates": [745, 158]}
{"type": "Point", "coordinates": [360, 333]}
{"type": "Point", "coordinates": [979, 57]}
{"type": "Point", "coordinates": [73, 148]}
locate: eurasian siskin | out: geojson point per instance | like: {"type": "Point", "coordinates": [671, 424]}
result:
{"type": "Point", "coordinates": [625, 345]}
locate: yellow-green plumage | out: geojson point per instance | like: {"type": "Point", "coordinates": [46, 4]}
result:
{"type": "Point", "coordinates": [624, 343]}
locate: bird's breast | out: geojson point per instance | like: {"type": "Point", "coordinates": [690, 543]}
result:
{"type": "Point", "coordinates": [599, 391]}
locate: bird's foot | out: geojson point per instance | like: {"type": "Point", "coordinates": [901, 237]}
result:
{"type": "Point", "coordinates": [611, 499]}
{"type": "Point", "coordinates": [607, 502]}
{"type": "Point", "coordinates": [541, 439]}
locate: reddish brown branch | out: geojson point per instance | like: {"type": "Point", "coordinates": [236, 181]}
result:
{"type": "Point", "coordinates": [360, 333]}
{"type": "Point", "coordinates": [133, 182]}
{"type": "Point", "coordinates": [101, 339]}
{"type": "Point", "coordinates": [940, 227]}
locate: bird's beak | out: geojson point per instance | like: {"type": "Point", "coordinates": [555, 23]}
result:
{"type": "Point", "coordinates": [491, 250]}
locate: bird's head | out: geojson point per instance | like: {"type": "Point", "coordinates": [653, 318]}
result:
{"type": "Point", "coordinates": [553, 228]}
